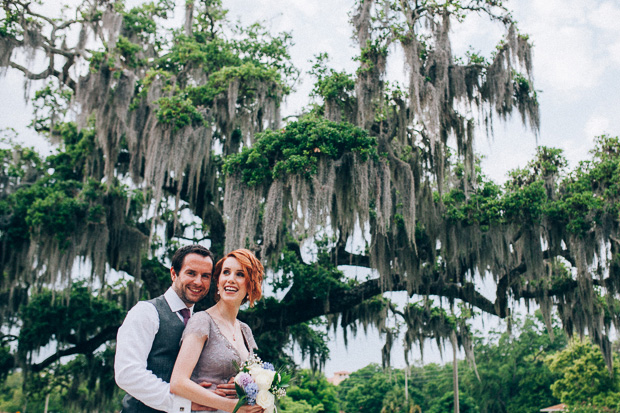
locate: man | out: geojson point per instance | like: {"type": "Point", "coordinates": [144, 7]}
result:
{"type": "Point", "coordinates": [148, 341]}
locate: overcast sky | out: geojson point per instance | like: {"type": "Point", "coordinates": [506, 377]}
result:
{"type": "Point", "coordinates": [576, 70]}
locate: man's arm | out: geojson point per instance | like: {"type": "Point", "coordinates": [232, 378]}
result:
{"type": "Point", "coordinates": [133, 345]}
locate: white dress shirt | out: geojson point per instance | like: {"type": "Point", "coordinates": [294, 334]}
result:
{"type": "Point", "coordinates": [133, 345]}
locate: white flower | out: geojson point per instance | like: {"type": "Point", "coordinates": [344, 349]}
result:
{"type": "Point", "coordinates": [252, 362]}
{"type": "Point", "coordinates": [262, 377]}
{"type": "Point", "coordinates": [266, 400]}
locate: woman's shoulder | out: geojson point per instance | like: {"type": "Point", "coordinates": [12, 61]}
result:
{"type": "Point", "coordinates": [199, 323]}
{"type": "Point", "coordinates": [245, 327]}
{"type": "Point", "coordinates": [202, 315]}
{"type": "Point", "coordinates": [247, 332]}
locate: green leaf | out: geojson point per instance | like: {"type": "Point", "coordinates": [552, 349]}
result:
{"type": "Point", "coordinates": [240, 390]}
{"type": "Point", "coordinates": [240, 403]}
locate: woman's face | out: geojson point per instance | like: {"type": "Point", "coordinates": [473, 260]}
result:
{"type": "Point", "coordinates": [232, 282]}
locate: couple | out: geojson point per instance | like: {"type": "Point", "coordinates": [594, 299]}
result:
{"type": "Point", "coordinates": [161, 363]}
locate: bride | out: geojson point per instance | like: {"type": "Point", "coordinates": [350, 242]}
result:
{"type": "Point", "coordinates": [214, 338]}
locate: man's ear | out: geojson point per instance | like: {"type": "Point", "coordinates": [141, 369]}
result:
{"type": "Point", "coordinates": [173, 274]}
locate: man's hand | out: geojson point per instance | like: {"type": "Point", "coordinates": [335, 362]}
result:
{"type": "Point", "coordinates": [200, 407]}
{"type": "Point", "coordinates": [227, 389]}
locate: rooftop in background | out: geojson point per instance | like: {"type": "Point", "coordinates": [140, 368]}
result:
{"type": "Point", "coordinates": [557, 408]}
{"type": "Point", "coordinates": [339, 376]}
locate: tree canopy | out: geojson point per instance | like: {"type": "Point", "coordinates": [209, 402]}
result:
{"type": "Point", "coordinates": [167, 135]}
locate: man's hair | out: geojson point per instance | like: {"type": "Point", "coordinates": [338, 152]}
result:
{"type": "Point", "coordinates": [179, 256]}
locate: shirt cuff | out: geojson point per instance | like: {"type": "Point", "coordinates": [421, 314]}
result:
{"type": "Point", "coordinates": [180, 404]}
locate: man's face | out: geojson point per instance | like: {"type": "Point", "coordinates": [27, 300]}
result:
{"type": "Point", "coordinates": [193, 281]}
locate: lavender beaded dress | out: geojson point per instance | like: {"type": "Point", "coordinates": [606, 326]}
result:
{"type": "Point", "coordinates": [215, 363]}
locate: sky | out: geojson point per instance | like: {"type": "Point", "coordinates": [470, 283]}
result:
{"type": "Point", "coordinates": [576, 71]}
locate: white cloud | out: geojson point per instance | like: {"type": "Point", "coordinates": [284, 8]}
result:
{"type": "Point", "coordinates": [566, 53]}
{"type": "Point", "coordinates": [606, 17]}
{"type": "Point", "coordinates": [478, 33]}
{"type": "Point", "coordinates": [596, 125]}
{"type": "Point", "coordinates": [614, 53]}
{"type": "Point", "coordinates": [511, 147]}
{"type": "Point", "coordinates": [552, 12]}
{"type": "Point", "coordinates": [307, 8]}
{"type": "Point", "coordinates": [565, 60]}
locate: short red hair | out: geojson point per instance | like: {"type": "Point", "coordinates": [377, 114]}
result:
{"type": "Point", "coordinates": [252, 268]}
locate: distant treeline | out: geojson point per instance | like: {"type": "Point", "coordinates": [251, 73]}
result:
{"type": "Point", "coordinates": [522, 371]}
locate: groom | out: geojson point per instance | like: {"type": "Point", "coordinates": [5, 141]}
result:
{"type": "Point", "coordinates": [148, 341]}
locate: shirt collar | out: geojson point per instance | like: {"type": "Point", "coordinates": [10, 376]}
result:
{"type": "Point", "coordinates": [175, 302]}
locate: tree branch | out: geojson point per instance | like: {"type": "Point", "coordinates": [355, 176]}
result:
{"type": "Point", "coordinates": [285, 314]}
{"type": "Point", "coordinates": [85, 347]}
{"type": "Point", "coordinates": [30, 75]}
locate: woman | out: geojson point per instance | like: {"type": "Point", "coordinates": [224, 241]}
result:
{"type": "Point", "coordinates": [214, 338]}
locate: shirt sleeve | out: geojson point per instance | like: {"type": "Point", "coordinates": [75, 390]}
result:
{"type": "Point", "coordinates": [133, 345]}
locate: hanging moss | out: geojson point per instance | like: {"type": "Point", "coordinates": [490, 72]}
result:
{"type": "Point", "coordinates": [372, 312]}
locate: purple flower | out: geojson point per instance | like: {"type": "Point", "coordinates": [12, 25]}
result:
{"type": "Point", "coordinates": [269, 366]}
{"type": "Point", "coordinates": [243, 379]}
{"type": "Point", "coordinates": [251, 390]}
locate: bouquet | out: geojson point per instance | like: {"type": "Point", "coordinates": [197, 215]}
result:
{"type": "Point", "coordinates": [259, 383]}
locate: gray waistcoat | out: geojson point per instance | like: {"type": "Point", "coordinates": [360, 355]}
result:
{"type": "Point", "coordinates": [163, 352]}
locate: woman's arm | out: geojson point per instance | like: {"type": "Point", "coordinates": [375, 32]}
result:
{"type": "Point", "coordinates": [182, 385]}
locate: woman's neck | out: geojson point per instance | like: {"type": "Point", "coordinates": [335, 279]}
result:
{"type": "Point", "coordinates": [227, 312]}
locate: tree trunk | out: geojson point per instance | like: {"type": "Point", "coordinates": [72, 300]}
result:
{"type": "Point", "coordinates": [406, 385]}
{"type": "Point", "coordinates": [189, 17]}
{"type": "Point", "coordinates": [455, 371]}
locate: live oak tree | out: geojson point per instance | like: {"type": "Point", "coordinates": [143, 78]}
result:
{"type": "Point", "coordinates": [167, 135]}
{"type": "Point", "coordinates": [583, 379]}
